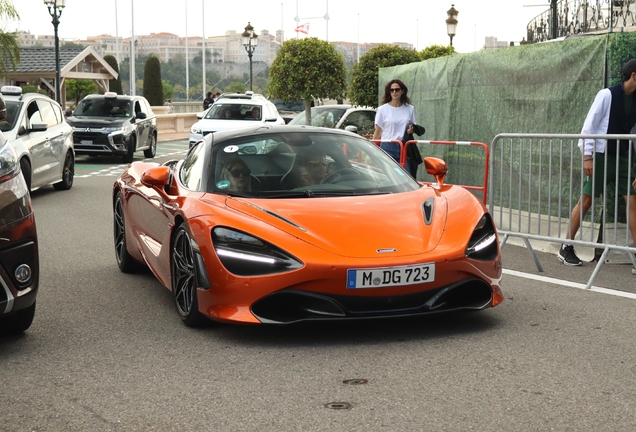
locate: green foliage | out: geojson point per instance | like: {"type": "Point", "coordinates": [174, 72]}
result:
{"type": "Point", "coordinates": [32, 88]}
{"type": "Point", "coordinates": [168, 90]}
{"type": "Point", "coordinates": [76, 89]}
{"type": "Point", "coordinates": [114, 84]}
{"type": "Point", "coordinates": [153, 88]}
{"type": "Point", "coordinates": [364, 77]}
{"type": "Point", "coordinates": [622, 47]}
{"type": "Point", "coordinates": [435, 51]}
{"type": "Point", "coordinates": [309, 69]}
{"type": "Point", "coordinates": [9, 50]}
{"type": "Point", "coordinates": [235, 87]}
{"type": "Point", "coordinates": [71, 45]}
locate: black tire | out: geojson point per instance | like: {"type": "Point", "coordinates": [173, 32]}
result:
{"type": "Point", "coordinates": [67, 173]}
{"type": "Point", "coordinates": [125, 261]}
{"type": "Point", "coordinates": [25, 166]}
{"type": "Point", "coordinates": [152, 150]}
{"type": "Point", "coordinates": [18, 322]}
{"type": "Point", "coordinates": [184, 279]}
{"type": "Point", "coordinates": [128, 157]}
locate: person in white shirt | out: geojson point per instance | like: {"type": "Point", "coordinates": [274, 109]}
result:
{"type": "Point", "coordinates": [394, 118]}
{"type": "Point", "coordinates": [612, 112]}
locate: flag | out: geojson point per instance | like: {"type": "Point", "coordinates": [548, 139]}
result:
{"type": "Point", "coordinates": [303, 28]}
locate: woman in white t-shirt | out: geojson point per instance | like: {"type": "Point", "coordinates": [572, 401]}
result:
{"type": "Point", "coordinates": [394, 118]}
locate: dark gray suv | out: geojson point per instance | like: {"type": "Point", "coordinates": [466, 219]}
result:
{"type": "Point", "coordinates": [112, 124]}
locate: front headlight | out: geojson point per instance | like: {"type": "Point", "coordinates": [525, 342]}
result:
{"type": "Point", "coordinates": [246, 255]}
{"type": "Point", "coordinates": [113, 129]}
{"type": "Point", "coordinates": [9, 166]}
{"type": "Point", "coordinates": [483, 244]}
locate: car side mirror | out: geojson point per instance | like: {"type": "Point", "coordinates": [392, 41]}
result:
{"type": "Point", "coordinates": [437, 168]}
{"type": "Point", "coordinates": [157, 176]}
{"type": "Point", "coordinates": [141, 115]}
{"type": "Point", "coordinates": [200, 115]}
{"type": "Point", "coordinates": [351, 128]}
{"type": "Point", "coordinates": [68, 113]}
{"type": "Point", "coordinates": [271, 119]}
{"type": "Point", "coordinates": [39, 127]}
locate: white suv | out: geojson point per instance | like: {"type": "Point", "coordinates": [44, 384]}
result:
{"type": "Point", "coordinates": [41, 138]}
{"type": "Point", "coordinates": [234, 112]}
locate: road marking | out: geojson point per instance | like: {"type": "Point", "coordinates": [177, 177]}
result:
{"type": "Point", "coordinates": [569, 284]}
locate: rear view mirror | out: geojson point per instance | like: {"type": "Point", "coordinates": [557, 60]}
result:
{"type": "Point", "coordinates": [39, 127]}
{"type": "Point", "coordinates": [351, 128]}
{"type": "Point", "coordinates": [157, 176]}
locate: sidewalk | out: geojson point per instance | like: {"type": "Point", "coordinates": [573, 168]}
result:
{"type": "Point", "coordinates": [172, 136]}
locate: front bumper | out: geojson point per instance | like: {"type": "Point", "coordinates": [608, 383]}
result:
{"type": "Point", "coordinates": [114, 143]}
{"type": "Point", "coordinates": [18, 247]}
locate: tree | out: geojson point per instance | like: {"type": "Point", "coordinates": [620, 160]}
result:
{"type": "Point", "coordinates": [364, 77]}
{"type": "Point", "coordinates": [435, 51]}
{"type": "Point", "coordinates": [114, 84]}
{"type": "Point", "coordinates": [168, 90]}
{"type": "Point", "coordinates": [153, 88]}
{"type": "Point", "coordinates": [235, 87]}
{"type": "Point", "coordinates": [308, 69]}
{"type": "Point", "coordinates": [71, 45]}
{"type": "Point", "coordinates": [78, 88]}
{"type": "Point", "coordinates": [9, 50]}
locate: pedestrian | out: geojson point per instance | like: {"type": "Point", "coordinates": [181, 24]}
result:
{"type": "Point", "coordinates": [170, 107]}
{"type": "Point", "coordinates": [395, 118]}
{"type": "Point", "coordinates": [612, 112]}
{"type": "Point", "coordinates": [208, 101]}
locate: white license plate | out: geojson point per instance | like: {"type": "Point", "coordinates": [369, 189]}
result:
{"type": "Point", "coordinates": [86, 142]}
{"type": "Point", "coordinates": [390, 276]}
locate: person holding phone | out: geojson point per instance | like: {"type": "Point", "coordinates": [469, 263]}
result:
{"type": "Point", "coordinates": [394, 118]}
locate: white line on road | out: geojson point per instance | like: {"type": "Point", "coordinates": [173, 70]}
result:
{"type": "Point", "coordinates": [569, 284]}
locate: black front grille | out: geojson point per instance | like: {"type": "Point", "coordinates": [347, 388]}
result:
{"type": "Point", "coordinates": [290, 306]}
{"type": "Point", "coordinates": [97, 138]}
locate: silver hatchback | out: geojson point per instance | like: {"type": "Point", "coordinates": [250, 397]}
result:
{"type": "Point", "coordinates": [41, 138]}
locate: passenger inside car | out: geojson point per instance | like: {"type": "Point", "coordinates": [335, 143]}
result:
{"type": "Point", "coordinates": [236, 176]}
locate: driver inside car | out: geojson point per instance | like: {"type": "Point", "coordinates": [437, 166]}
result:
{"type": "Point", "coordinates": [313, 167]}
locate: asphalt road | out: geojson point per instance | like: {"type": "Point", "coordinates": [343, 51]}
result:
{"type": "Point", "coordinates": [107, 351]}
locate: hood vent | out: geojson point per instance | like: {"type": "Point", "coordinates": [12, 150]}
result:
{"type": "Point", "coordinates": [427, 209]}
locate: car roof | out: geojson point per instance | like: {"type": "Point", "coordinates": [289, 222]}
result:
{"type": "Point", "coordinates": [240, 102]}
{"type": "Point", "coordinates": [222, 136]}
{"type": "Point", "coordinates": [247, 95]}
{"type": "Point", "coordinates": [121, 97]}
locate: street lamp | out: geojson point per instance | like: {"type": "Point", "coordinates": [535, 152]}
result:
{"type": "Point", "coordinates": [250, 40]}
{"type": "Point", "coordinates": [451, 23]}
{"type": "Point", "coordinates": [55, 10]}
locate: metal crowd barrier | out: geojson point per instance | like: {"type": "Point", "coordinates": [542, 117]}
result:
{"type": "Point", "coordinates": [481, 165]}
{"type": "Point", "coordinates": [536, 181]}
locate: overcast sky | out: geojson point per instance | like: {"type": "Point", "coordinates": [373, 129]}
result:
{"type": "Point", "coordinates": [420, 22]}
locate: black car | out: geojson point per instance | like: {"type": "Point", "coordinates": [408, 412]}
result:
{"type": "Point", "coordinates": [112, 124]}
{"type": "Point", "coordinates": [19, 259]}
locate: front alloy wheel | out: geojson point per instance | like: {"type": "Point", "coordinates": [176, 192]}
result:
{"type": "Point", "coordinates": [184, 280]}
{"type": "Point", "coordinates": [125, 261]}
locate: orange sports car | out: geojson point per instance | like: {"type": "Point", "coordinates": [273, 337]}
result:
{"type": "Point", "coordinates": [280, 224]}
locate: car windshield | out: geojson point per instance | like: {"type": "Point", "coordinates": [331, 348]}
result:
{"type": "Point", "coordinates": [298, 105]}
{"type": "Point", "coordinates": [304, 165]}
{"type": "Point", "coordinates": [247, 111]}
{"type": "Point", "coordinates": [103, 107]}
{"type": "Point", "coordinates": [13, 109]}
{"type": "Point", "coordinates": [325, 116]}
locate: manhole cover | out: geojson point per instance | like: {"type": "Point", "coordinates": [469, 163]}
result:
{"type": "Point", "coordinates": [355, 381]}
{"type": "Point", "coordinates": [338, 405]}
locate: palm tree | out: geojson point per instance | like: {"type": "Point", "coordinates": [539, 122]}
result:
{"type": "Point", "coordinates": [9, 50]}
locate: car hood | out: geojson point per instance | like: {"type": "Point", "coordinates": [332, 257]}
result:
{"type": "Point", "coordinates": [96, 122]}
{"type": "Point", "coordinates": [361, 226]}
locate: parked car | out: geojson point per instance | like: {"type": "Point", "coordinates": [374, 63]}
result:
{"type": "Point", "coordinates": [340, 117]}
{"type": "Point", "coordinates": [245, 236]}
{"type": "Point", "coordinates": [289, 110]}
{"type": "Point", "coordinates": [41, 138]}
{"type": "Point", "coordinates": [19, 259]}
{"type": "Point", "coordinates": [112, 124]}
{"type": "Point", "coordinates": [234, 112]}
